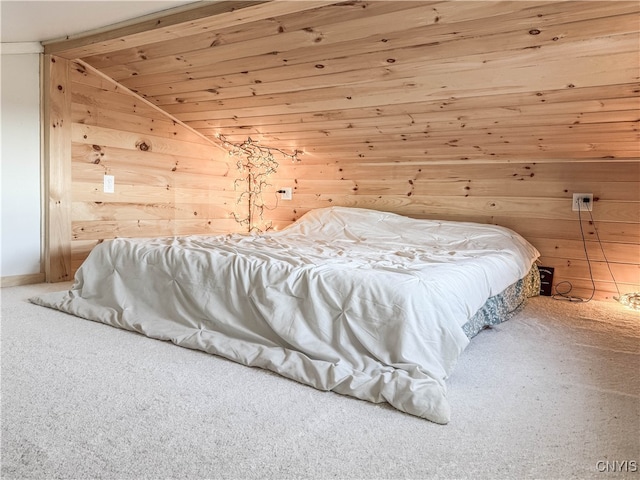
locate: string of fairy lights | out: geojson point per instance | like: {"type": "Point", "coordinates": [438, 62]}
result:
{"type": "Point", "coordinates": [256, 163]}
{"type": "Point", "coordinates": [631, 300]}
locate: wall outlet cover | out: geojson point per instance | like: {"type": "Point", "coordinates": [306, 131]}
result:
{"type": "Point", "coordinates": [287, 193]}
{"type": "Point", "coordinates": [582, 202]}
{"type": "Point", "coordinates": [109, 184]}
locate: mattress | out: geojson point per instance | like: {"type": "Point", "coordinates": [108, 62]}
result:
{"type": "Point", "coordinates": [364, 303]}
{"type": "Point", "coordinates": [502, 307]}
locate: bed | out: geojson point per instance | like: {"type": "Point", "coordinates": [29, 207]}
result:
{"type": "Point", "coordinates": [365, 303]}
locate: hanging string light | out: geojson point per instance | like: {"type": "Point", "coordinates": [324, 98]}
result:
{"type": "Point", "coordinates": [255, 163]}
{"type": "Point", "coordinates": [631, 300]}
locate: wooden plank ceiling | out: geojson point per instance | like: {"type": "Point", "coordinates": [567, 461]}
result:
{"type": "Point", "coordinates": [392, 81]}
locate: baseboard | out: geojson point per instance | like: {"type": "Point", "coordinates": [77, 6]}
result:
{"type": "Point", "coordinates": [16, 280]}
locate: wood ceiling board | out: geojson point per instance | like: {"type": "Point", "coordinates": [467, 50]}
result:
{"type": "Point", "coordinates": [463, 107]}
{"type": "Point", "coordinates": [212, 15]}
{"type": "Point", "coordinates": [321, 71]}
{"type": "Point", "coordinates": [406, 37]}
{"type": "Point", "coordinates": [263, 28]}
{"type": "Point", "coordinates": [361, 77]}
{"type": "Point", "coordinates": [437, 125]}
{"type": "Point", "coordinates": [375, 81]}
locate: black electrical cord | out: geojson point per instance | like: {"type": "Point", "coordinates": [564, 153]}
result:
{"type": "Point", "coordinates": [277, 198]}
{"type": "Point", "coordinates": [631, 300]}
{"type": "Point", "coordinates": [566, 294]}
{"type": "Point", "coordinates": [593, 222]}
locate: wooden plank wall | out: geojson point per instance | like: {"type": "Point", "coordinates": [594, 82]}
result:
{"type": "Point", "coordinates": [531, 198]}
{"type": "Point", "coordinates": [492, 111]}
{"type": "Point", "coordinates": [168, 180]}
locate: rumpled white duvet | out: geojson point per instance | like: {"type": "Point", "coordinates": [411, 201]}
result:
{"type": "Point", "coordinates": [361, 302]}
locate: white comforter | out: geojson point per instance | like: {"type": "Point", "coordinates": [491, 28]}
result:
{"type": "Point", "coordinates": [361, 302]}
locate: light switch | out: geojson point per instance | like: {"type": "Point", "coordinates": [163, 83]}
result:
{"type": "Point", "coordinates": [109, 184]}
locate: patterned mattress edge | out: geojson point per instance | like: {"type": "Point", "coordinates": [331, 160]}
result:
{"type": "Point", "coordinates": [505, 305]}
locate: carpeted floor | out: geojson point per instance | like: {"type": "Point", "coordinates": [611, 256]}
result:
{"type": "Point", "coordinates": [553, 393]}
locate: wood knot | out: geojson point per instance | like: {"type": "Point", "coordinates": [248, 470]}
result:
{"type": "Point", "coordinates": [534, 31]}
{"type": "Point", "coordinates": [143, 146]}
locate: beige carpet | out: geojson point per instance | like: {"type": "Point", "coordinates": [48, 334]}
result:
{"type": "Point", "coordinates": [553, 393]}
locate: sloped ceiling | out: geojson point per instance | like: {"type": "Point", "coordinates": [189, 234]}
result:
{"type": "Point", "coordinates": [391, 81]}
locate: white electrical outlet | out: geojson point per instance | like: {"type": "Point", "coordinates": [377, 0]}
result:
{"type": "Point", "coordinates": [109, 184]}
{"type": "Point", "coordinates": [582, 202]}
{"type": "Point", "coordinates": [286, 193]}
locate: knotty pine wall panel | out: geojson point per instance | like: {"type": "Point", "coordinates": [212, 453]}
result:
{"type": "Point", "coordinates": [57, 170]}
{"type": "Point", "coordinates": [168, 180]}
{"type": "Point", "coordinates": [533, 199]}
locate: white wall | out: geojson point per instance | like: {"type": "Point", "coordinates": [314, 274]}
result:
{"type": "Point", "coordinates": [20, 197]}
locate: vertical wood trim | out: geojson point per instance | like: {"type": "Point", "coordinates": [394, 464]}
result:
{"type": "Point", "coordinates": [57, 169]}
{"type": "Point", "coordinates": [43, 156]}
